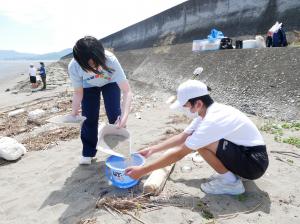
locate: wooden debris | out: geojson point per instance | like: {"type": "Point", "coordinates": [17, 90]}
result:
{"type": "Point", "coordinates": [157, 180]}
{"type": "Point", "coordinates": [124, 205]}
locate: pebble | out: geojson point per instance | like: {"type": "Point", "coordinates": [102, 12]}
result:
{"type": "Point", "coordinates": [138, 116]}
{"type": "Point", "coordinates": [186, 169]}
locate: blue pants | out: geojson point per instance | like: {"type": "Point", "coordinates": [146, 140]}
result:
{"type": "Point", "coordinates": [90, 109]}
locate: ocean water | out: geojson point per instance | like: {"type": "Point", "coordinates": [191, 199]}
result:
{"type": "Point", "coordinates": [15, 68]}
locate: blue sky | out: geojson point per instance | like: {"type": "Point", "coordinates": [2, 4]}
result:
{"type": "Point", "coordinates": [40, 26]}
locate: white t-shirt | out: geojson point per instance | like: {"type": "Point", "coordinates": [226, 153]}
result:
{"type": "Point", "coordinates": [32, 71]}
{"type": "Point", "coordinates": [222, 121]}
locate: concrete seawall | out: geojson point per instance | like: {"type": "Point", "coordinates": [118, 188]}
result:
{"type": "Point", "coordinates": [264, 82]}
{"type": "Point", "coordinates": [195, 18]}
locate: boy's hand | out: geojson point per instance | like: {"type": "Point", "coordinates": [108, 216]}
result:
{"type": "Point", "coordinates": [135, 172]}
{"type": "Point", "coordinates": [146, 152]}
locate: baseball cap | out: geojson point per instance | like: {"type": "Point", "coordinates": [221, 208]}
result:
{"type": "Point", "coordinates": [188, 90]}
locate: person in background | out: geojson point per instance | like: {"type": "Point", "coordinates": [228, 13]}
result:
{"type": "Point", "coordinates": [225, 137]}
{"type": "Point", "coordinates": [42, 71]}
{"type": "Point", "coordinates": [32, 76]}
{"type": "Point", "coordinates": [93, 71]}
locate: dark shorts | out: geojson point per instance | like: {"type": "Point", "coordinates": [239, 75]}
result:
{"type": "Point", "coordinates": [247, 162]}
{"type": "Point", "coordinates": [32, 79]}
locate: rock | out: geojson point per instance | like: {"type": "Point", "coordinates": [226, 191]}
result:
{"type": "Point", "coordinates": [54, 110]}
{"type": "Point", "coordinates": [138, 115]}
{"type": "Point", "coordinates": [36, 114]}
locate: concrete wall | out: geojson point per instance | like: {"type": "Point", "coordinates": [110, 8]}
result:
{"type": "Point", "coordinates": [195, 18]}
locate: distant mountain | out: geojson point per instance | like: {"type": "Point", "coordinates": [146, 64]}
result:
{"type": "Point", "coordinates": [14, 55]}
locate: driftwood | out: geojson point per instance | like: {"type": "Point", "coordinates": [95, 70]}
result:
{"type": "Point", "coordinates": [157, 180]}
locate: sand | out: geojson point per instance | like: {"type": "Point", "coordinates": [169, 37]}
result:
{"type": "Point", "coordinates": [48, 186]}
{"type": "Point", "coordinates": [118, 143]}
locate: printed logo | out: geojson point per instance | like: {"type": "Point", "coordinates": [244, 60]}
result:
{"type": "Point", "coordinates": [118, 175]}
{"type": "Point", "coordinates": [225, 143]}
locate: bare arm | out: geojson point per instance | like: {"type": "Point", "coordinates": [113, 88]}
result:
{"type": "Point", "coordinates": [77, 98]}
{"type": "Point", "coordinates": [167, 144]}
{"type": "Point", "coordinates": [168, 158]}
{"type": "Point", "coordinates": [126, 102]}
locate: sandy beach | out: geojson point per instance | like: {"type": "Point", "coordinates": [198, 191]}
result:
{"type": "Point", "coordinates": [48, 186]}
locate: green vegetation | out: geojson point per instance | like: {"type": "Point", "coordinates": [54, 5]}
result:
{"type": "Point", "coordinates": [278, 131]}
{"type": "Point", "coordinates": [293, 125]}
{"type": "Point", "coordinates": [204, 211]}
{"type": "Point", "coordinates": [292, 141]}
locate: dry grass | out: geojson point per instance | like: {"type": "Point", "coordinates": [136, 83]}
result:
{"type": "Point", "coordinates": [46, 139]}
{"type": "Point", "coordinates": [11, 126]}
{"type": "Point", "coordinates": [88, 221]}
{"type": "Point", "coordinates": [124, 204]}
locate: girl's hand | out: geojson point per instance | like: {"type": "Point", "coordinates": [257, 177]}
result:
{"type": "Point", "coordinates": [121, 122]}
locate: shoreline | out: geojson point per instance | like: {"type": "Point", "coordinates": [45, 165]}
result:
{"type": "Point", "coordinates": [10, 69]}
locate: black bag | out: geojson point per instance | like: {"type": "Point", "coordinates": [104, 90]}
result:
{"type": "Point", "coordinates": [226, 43]}
{"type": "Point", "coordinates": [238, 44]}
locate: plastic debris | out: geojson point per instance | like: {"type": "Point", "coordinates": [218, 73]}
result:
{"type": "Point", "coordinates": [10, 149]}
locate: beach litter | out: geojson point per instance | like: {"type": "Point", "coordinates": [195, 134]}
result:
{"type": "Point", "coordinates": [15, 112]}
{"type": "Point", "coordinates": [186, 169]}
{"type": "Point", "coordinates": [11, 149]}
{"type": "Point", "coordinates": [67, 120]}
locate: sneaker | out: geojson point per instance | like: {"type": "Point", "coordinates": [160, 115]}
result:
{"type": "Point", "coordinates": [85, 160]}
{"type": "Point", "coordinates": [219, 186]}
{"type": "Point", "coordinates": [214, 176]}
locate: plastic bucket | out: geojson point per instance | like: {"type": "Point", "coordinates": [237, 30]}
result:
{"type": "Point", "coordinates": [115, 170]}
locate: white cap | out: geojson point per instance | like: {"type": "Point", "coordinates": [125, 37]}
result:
{"type": "Point", "coordinates": [188, 90]}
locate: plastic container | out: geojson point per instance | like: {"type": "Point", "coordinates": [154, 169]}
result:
{"type": "Point", "coordinates": [206, 45]}
{"type": "Point", "coordinates": [115, 170]}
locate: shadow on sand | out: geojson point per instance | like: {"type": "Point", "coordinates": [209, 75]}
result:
{"type": "Point", "coordinates": [88, 183]}
{"type": "Point", "coordinates": [81, 191]}
{"type": "Point", "coordinates": [252, 200]}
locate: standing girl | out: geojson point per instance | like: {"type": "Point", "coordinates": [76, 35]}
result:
{"type": "Point", "coordinates": [93, 71]}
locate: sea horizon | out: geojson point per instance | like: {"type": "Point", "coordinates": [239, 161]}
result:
{"type": "Point", "coordinates": [14, 68]}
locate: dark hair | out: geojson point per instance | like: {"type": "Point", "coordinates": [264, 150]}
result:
{"type": "Point", "coordinates": [206, 99]}
{"type": "Point", "coordinates": [90, 48]}
{"type": "Point", "coordinates": [42, 63]}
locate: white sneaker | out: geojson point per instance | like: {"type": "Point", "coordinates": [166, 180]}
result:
{"type": "Point", "coordinates": [85, 160]}
{"type": "Point", "coordinates": [214, 176]}
{"type": "Point", "coordinates": [219, 186]}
